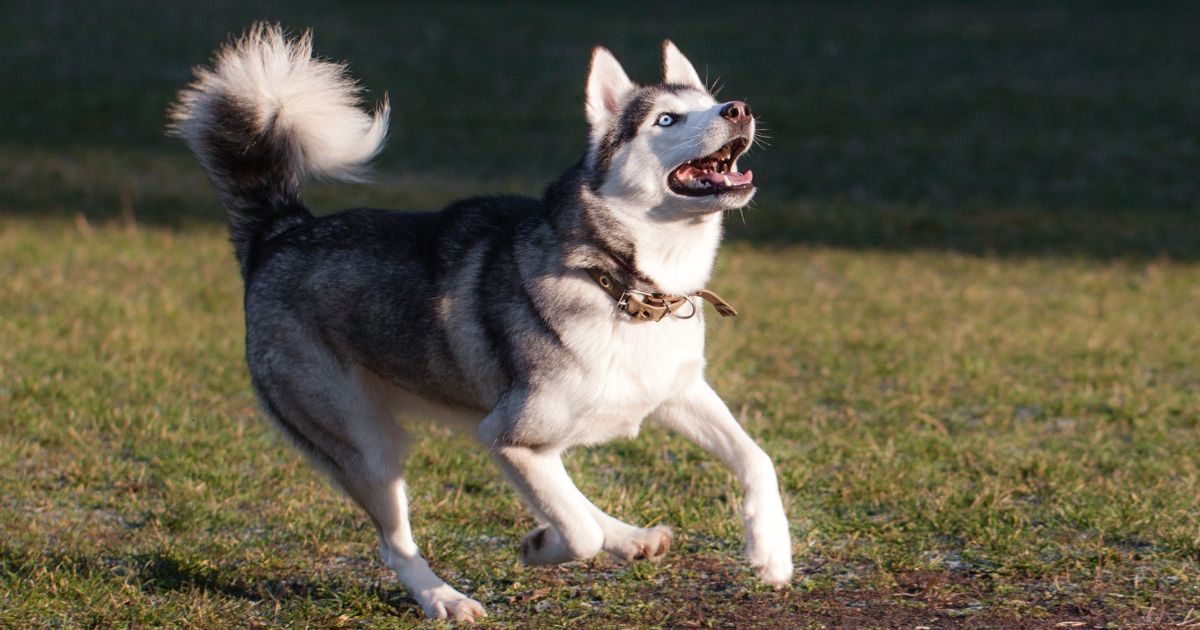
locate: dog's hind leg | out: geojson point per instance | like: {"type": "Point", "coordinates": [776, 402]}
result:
{"type": "Point", "coordinates": [340, 417]}
{"type": "Point", "coordinates": [438, 599]}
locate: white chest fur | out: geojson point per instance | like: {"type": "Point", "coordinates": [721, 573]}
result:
{"type": "Point", "coordinates": [629, 369]}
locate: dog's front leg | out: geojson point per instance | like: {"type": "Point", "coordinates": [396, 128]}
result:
{"type": "Point", "coordinates": [570, 532]}
{"type": "Point", "coordinates": [700, 415]}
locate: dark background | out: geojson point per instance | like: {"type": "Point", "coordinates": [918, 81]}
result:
{"type": "Point", "coordinates": [1064, 128]}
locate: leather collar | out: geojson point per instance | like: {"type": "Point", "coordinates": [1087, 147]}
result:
{"type": "Point", "coordinates": [653, 307]}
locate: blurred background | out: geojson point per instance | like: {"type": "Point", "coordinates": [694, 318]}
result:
{"type": "Point", "coordinates": [1066, 127]}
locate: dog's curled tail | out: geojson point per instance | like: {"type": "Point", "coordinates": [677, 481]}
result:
{"type": "Point", "coordinates": [265, 116]}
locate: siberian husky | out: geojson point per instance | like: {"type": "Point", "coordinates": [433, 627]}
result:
{"type": "Point", "coordinates": [537, 324]}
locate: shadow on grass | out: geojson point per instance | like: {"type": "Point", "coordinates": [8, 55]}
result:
{"type": "Point", "coordinates": [159, 572]}
{"type": "Point", "coordinates": [167, 571]}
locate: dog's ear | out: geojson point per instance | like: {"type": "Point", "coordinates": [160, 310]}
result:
{"type": "Point", "coordinates": [677, 69]}
{"type": "Point", "coordinates": [607, 87]}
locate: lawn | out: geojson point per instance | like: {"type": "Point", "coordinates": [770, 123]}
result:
{"type": "Point", "coordinates": [969, 334]}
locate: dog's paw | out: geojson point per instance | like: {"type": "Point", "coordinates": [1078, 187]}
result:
{"type": "Point", "coordinates": [444, 602]}
{"type": "Point", "coordinates": [776, 571]}
{"type": "Point", "coordinates": [542, 546]}
{"type": "Point", "coordinates": [545, 545]}
{"type": "Point", "coordinates": [643, 544]}
{"type": "Point", "coordinates": [769, 550]}
{"type": "Point", "coordinates": [535, 544]}
{"type": "Point", "coordinates": [462, 609]}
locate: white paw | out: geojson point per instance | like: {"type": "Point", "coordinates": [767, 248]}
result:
{"type": "Point", "coordinates": [545, 545]}
{"type": "Point", "coordinates": [460, 609]}
{"type": "Point", "coordinates": [444, 602]}
{"type": "Point", "coordinates": [769, 549]}
{"type": "Point", "coordinates": [777, 571]}
{"type": "Point", "coordinates": [642, 544]}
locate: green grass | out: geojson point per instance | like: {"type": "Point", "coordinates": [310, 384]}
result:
{"type": "Point", "coordinates": [1027, 427]}
{"type": "Point", "coordinates": [968, 333]}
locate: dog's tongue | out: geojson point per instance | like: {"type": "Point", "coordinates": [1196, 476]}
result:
{"type": "Point", "coordinates": [727, 180]}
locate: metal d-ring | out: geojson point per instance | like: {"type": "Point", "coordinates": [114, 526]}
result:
{"type": "Point", "coordinates": [690, 315]}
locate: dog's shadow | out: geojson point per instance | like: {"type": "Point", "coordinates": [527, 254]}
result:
{"type": "Point", "coordinates": [164, 572]}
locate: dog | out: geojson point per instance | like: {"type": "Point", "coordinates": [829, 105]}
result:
{"type": "Point", "coordinates": [535, 324]}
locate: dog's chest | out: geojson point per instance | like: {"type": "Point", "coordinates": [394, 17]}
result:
{"type": "Point", "coordinates": [626, 370]}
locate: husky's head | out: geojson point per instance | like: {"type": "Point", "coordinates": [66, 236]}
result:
{"type": "Point", "coordinates": [670, 148]}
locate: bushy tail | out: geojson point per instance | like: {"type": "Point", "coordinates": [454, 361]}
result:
{"type": "Point", "coordinates": [264, 117]}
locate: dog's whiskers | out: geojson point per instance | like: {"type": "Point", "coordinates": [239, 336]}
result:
{"type": "Point", "coordinates": [762, 136]}
{"type": "Point", "coordinates": [715, 88]}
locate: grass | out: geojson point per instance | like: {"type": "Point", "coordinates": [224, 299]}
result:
{"type": "Point", "coordinates": [1010, 425]}
{"type": "Point", "coordinates": [968, 334]}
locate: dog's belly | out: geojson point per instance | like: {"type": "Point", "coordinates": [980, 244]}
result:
{"type": "Point", "coordinates": [407, 405]}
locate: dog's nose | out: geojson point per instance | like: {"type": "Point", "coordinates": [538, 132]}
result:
{"type": "Point", "coordinates": [737, 112]}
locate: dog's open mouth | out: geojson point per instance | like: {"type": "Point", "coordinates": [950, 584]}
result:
{"type": "Point", "coordinates": [712, 174]}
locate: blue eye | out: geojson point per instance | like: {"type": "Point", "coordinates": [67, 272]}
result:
{"type": "Point", "coordinates": [665, 120]}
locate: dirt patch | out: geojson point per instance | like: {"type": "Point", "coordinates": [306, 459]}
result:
{"type": "Point", "coordinates": [709, 592]}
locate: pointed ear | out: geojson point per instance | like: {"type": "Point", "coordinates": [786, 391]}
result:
{"type": "Point", "coordinates": [678, 70]}
{"type": "Point", "coordinates": [607, 87]}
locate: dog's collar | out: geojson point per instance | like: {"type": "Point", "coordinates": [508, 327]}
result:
{"type": "Point", "coordinates": [653, 307]}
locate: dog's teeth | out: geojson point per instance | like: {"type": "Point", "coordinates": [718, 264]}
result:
{"type": "Point", "coordinates": [727, 180]}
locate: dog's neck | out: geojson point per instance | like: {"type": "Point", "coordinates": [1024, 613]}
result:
{"type": "Point", "coordinates": [671, 256]}
{"type": "Point", "coordinates": [677, 256]}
